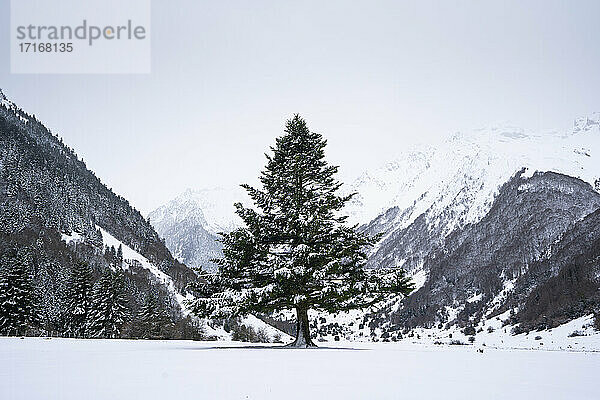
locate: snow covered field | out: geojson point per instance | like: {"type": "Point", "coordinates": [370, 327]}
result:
{"type": "Point", "coordinates": [38, 368]}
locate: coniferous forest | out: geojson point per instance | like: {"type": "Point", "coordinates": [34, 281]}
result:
{"type": "Point", "coordinates": [80, 288]}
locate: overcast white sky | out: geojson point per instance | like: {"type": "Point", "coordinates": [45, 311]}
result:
{"type": "Point", "coordinates": [371, 76]}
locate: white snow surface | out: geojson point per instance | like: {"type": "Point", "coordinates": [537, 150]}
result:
{"type": "Point", "coordinates": [72, 237]}
{"type": "Point", "coordinates": [130, 255]}
{"type": "Point", "coordinates": [74, 369]}
{"type": "Point", "coordinates": [576, 335]}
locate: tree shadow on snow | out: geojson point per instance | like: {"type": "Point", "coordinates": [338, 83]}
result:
{"type": "Point", "coordinates": [267, 347]}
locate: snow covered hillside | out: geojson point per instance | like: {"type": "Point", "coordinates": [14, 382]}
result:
{"type": "Point", "coordinates": [123, 369]}
{"type": "Point", "coordinates": [472, 166]}
{"type": "Point", "coordinates": [131, 256]}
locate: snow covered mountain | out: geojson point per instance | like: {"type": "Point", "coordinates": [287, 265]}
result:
{"type": "Point", "coordinates": [478, 161]}
{"type": "Point", "coordinates": [454, 183]}
{"type": "Point", "coordinates": [191, 222]}
{"type": "Point", "coordinates": [211, 208]}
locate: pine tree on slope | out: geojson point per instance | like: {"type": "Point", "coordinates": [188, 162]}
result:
{"type": "Point", "coordinates": [296, 252]}
{"type": "Point", "coordinates": [109, 307]}
{"type": "Point", "coordinates": [153, 319]}
{"type": "Point", "coordinates": [79, 299]}
{"type": "Point", "coordinates": [120, 255]}
{"type": "Point", "coordinates": [17, 305]}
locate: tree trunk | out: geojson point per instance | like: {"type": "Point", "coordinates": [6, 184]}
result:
{"type": "Point", "coordinates": [303, 339]}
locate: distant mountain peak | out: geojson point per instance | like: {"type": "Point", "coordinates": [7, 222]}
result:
{"type": "Point", "coordinates": [587, 123]}
{"type": "Point", "coordinates": [212, 208]}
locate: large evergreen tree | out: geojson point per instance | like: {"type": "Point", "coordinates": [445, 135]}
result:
{"type": "Point", "coordinates": [79, 299]}
{"type": "Point", "coordinates": [296, 250]}
{"type": "Point", "coordinates": [109, 306]}
{"type": "Point", "coordinates": [17, 305]}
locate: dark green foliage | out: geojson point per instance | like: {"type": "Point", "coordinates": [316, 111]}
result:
{"type": "Point", "coordinates": [153, 319]}
{"type": "Point", "coordinates": [79, 300]}
{"type": "Point", "coordinates": [469, 331]}
{"type": "Point", "coordinates": [296, 252]}
{"type": "Point", "coordinates": [120, 255]}
{"type": "Point", "coordinates": [17, 305]}
{"type": "Point", "coordinates": [244, 333]}
{"type": "Point", "coordinates": [109, 307]}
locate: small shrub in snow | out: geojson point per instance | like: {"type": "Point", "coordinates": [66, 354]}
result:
{"type": "Point", "coordinates": [490, 329]}
{"type": "Point", "coordinates": [576, 333]}
{"type": "Point", "coordinates": [471, 339]}
{"type": "Point", "coordinates": [243, 333]}
{"type": "Point", "coordinates": [456, 343]}
{"type": "Point", "coordinates": [517, 330]}
{"type": "Point", "coordinates": [469, 331]}
{"type": "Point", "coordinates": [262, 336]}
{"type": "Point", "coordinates": [538, 338]}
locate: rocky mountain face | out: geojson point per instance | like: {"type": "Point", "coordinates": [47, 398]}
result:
{"type": "Point", "coordinates": [508, 256]}
{"type": "Point", "coordinates": [191, 224]}
{"type": "Point", "coordinates": [58, 213]}
{"type": "Point", "coordinates": [565, 284]}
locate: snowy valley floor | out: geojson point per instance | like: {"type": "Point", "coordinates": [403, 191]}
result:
{"type": "Point", "coordinates": [38, 368]}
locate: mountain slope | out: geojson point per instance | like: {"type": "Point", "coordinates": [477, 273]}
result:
{"type": "Point", "coordinates": [46, 192]}
{"type": "Point", "coordinates": [565, 285]}
{"type": "Point", "coordinates": [477, 267]}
